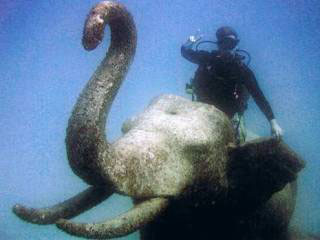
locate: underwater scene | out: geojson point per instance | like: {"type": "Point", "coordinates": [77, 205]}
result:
{"type": "Point", "coordinates": [179, 167]}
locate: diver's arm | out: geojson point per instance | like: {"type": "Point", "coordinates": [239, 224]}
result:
{"type": "Point", "coordinates": [258, 96]}
{"type": "Point", "coordinates": [191, 55]}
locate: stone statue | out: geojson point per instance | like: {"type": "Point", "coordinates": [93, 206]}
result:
{"type": "Point", "coordinates": [177, 160]}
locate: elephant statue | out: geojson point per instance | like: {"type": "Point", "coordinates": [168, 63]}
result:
{"type": "Point", "coordinates": [177, 160]}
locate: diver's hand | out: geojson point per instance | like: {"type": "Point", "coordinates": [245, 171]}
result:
{"type": "Point", "coordinates": [194, 38]}
{"type": "Point", "coordinates": [191, 41]}
{"type": "Point", "coordinates": [276, 130]}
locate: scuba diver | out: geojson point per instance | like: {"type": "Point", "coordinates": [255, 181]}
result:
{"type": "Point", "coordinates": [224, 80]}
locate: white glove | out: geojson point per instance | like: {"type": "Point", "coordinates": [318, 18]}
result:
{"type": "Point", "coordinates": [194, 39]}
{"type": "Point", "coordinates": [276, 130]}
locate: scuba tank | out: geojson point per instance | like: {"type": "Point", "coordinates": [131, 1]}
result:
{"type": "Point", "coordinates": [237, 51]}
{"type": "Point", "coordinates": [240, 54]}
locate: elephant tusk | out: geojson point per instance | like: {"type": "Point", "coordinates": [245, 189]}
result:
{"type": "Point", "coordinates": [137, 217]}
{"type": "Point", "coordinates": [67, 209]}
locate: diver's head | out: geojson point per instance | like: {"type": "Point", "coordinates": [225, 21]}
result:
{"type": "Point", "coordinates": [227, 38]}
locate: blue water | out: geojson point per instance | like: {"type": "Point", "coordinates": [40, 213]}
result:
{"type": "Point", "coordinates": [43, 69]}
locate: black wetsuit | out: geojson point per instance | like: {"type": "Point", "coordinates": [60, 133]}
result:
{"type": "Point", "coordinates": [223, 80]}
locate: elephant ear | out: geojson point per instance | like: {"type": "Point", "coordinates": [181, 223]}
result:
{"type": "Point", "coordinates": [261, 167]}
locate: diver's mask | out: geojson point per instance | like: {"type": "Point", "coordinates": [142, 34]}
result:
{"type": "Point", "coordinates": [229, 42]}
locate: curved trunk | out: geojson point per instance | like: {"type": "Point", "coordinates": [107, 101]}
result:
{"type": "Point", "coordinates": [86, 142]}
